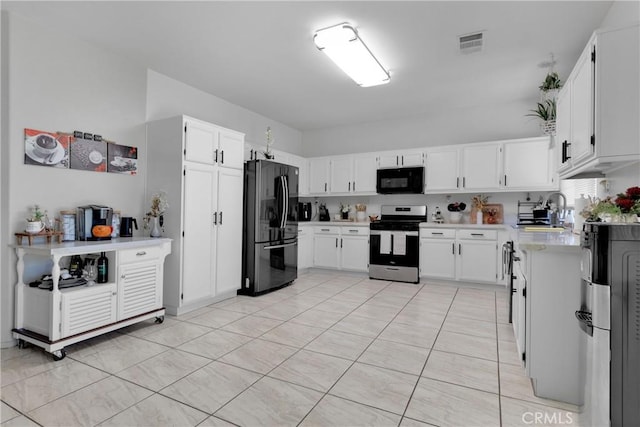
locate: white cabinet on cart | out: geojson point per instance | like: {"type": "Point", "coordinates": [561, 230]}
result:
{"type": "Point", "coordinates": [53, 319]}
{"type": "Point", "coordinates": [199, 166]}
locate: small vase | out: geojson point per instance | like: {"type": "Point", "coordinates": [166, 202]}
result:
{"type": "Point", "coordinates": [479, 217]}
{"type": "Point", "coordinates": [155, 227]}
{"type": "Point", "coordinates": [455, 217]}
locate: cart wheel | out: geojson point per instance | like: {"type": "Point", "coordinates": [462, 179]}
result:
{"type": "Point", "coordinates": [21, 343]}
{"type": "Point", "coordinates": [59, 355]}
{"type": "Point", "coordinates": [159, 319]}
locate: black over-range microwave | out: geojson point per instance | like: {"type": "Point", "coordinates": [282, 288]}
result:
{"type": "Point", "coordinates": [400, 180]}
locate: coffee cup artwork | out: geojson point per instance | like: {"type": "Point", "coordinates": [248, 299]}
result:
{"type": "Point", "coordinates": [46, 148]}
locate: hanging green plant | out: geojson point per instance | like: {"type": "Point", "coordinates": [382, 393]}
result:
{"type": "Point", "coordinates": [551, 82]}
{"type": "Point", "coordinates": [545, 110]}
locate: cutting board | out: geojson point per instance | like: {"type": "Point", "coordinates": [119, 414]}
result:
{"type": "Point", "coordinates": [491, 214]}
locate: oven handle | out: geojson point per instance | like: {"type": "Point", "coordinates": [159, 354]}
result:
{"type": "Point", "coordinates": [406, 233]}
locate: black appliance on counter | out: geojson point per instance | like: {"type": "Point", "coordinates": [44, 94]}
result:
{"type": "Point", "coordinates": [394, 243]}
{"type": "Point", "coordinates": [610, 317]}
{"type": "Point", "coordinates": [530, 213]}
{"type": "Point", "coordinates": [323, 213]}
{"type": "Point", "coordinates": [408, 180]}
{"type": "Point", "coordinates": [304, 211]}
{"type": "Point", "coordinates": [270, 227]}
{"type": "Point", "coordinates": [88, 217]}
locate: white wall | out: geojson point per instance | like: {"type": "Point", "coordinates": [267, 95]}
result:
{"type": "Point", "coordinates": [483, 123]}
{"type": "Point", "coordinates": [56, 83]}
{"type": "Point", "coordinates": [167, 97]}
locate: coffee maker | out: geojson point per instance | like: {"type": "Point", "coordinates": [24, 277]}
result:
{"type": "Point", "coordinates": [304, 211]}
{"type": "Point", "coordinates": [88, 217]}
{"type": "Point", "coordinates": [323, 213]}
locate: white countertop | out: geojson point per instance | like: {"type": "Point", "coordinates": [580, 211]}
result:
{"type": "Point", "coordinates": [82, 246]}
{"type": "Point", "coordinates": [539, 240]}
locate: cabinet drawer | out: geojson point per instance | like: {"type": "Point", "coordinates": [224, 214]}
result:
{"type": "Point", "coordinates": [327, 230]}
{"type": "Point", "coordinates": [140, 254]}
{"type": "Point", "coordinates": [438, 233]}
{"type": "Point", "coordinates": [355, 231]}
{"type": "Point", "coordinates": [478, 234]}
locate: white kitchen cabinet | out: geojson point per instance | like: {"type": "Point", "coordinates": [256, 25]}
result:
{"type": "Point", "coordinates": [205, 214]}
{"type": "Point", "coordinates": [481, 167]}
{"type": "Point", "coordinates": [54, 319]}
{"type": "Point", "coordinates": [305, 247]}
{"type": "Point", "coordinates": [438, 253]}
{"type": "Point", "coordinates": [553, 340]}
{"type": "Point", "coordinates": [469, 255]}
{"type": "Point", "coordinates": [353, 174]}
{"type": "Point", "coordinates": [326, 242]}
{"type": "Point", "coordinates": [400, 159]}
{"type": "Point", "coordinates": [354, 248]}
{"type": "Point", "coordinates": [341, 247]}
{"type": "Point", "coordinates": [209, 144]}
{"type": "Point", "coordinates": [528, 165]}
{"type": "Point", "coordinates": [442, 169]}
{"type": "Point", "coordinates": [319, 176]}
{"type": "Point", "coordinates": [601, 133]}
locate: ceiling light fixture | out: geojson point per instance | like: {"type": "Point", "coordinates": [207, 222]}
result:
{"type": "Point", "coordinates": [342, 44]}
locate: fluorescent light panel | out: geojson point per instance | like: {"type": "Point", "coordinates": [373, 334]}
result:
{"type": "Point", "coordinates": [342, 44]}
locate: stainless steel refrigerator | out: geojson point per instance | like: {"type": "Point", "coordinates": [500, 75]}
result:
{"type": "Point", "coordinates": [270, 227]}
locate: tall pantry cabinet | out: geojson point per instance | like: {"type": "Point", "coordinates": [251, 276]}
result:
{"type": "Point", "coordinates": [199, 166]}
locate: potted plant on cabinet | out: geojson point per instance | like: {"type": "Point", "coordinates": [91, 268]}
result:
{"type": "Point", "coordinates": [546, 111]}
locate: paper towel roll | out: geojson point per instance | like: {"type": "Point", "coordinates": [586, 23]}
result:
{"type": "Point", "coordinates": [579, 205]}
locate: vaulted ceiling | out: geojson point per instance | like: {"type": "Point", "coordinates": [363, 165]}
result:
{"type": "Point", "coordinates": [261, 55]}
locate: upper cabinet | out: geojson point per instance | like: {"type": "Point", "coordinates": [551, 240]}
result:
{"type": "Point", "coordinates": [343, 175]}
{"type": "Point", "coordinates": [521, 164]}
{"type": "Point", "coordinates": [598, 108]}
{"type": "Point", "coordinates": [528, 165]}
{"type": "Point", "coordinates": [210, 144]}
{"type": "Point", "coordinates": [398, 159]}
{"type": "Point", "coordinates": [254, 152]}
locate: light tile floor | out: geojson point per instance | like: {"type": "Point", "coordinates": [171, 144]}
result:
{"type": "Point", "coordinates": [330, 350]}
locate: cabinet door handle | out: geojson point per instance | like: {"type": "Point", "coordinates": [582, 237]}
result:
{"type": "Point", "coordinates": [459, 248]}
{"type": "Point", "coordinates": [353, 231]}
{"type": "Point", "coordinates": [477, 234]}
{"type": "Point", "coordinates": [222, 156]}
{"type": "Point", "coordinates": [505, 180]}
{"type": "Point", "coordinates": [325, 187]}
{"type": "Point", "coordinates": [349, 185]}
{"type": "Point", "coordinates": [336, 242]}
{"type": "Point", "coordinates": [220, 217]}
{"type": "Point", "coordinates": [215, 218]}
{"type": "Point", "coordinates": [142, 253]}
{"type": "Point", "coordinates": [324, 229]}
{"type": "Point", "coordinates": [216, 160]}
{"type": "Point", "coordinates": [340, 242]}
{"type": "Point", "coordinates": [457, 182]}
{"type": "Point", "coordinates": [354, 186]}
{"type": "Point", "coordinates": [251, 154]}
{"type": "Point", "coordinates": [436, 234]}
{"type": "Point", "coordinates": [464, 181]}
{"type": "Point", "coordinates": [453, 248]}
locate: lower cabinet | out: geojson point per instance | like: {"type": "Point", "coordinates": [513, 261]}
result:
{"type": "Point", "coordinates": [469, 255]}
{"type": "Point", "coordinates": [344, 248]}
{"type": "Point", "coordinates": [305, 247]}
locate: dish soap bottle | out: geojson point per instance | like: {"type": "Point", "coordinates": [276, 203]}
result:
{"type": "Point", "coordinates": [103, 268]}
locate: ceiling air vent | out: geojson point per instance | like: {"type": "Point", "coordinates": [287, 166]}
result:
{"type": "Point", "coordinates": [471, 43]}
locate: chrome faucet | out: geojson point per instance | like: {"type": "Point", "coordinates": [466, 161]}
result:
{"type": "Point", "coordinates": [558, 216]}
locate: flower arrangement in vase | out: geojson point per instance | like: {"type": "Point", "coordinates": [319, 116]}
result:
{"type": "Point", "coordinates": [267, 153]}
{"type": "Point", "coordinates": [629, 203]}
{"type": "Point", "coordinates": [479, 202]}
{"type": "Point", "coordinates": [154, 218]}
{"type": "Point", "coordinates": [344, 210]}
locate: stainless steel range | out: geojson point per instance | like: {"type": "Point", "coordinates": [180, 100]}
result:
{"type": "Point", "coordinates": [394, 243]}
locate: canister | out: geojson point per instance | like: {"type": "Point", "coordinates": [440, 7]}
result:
{"type": "Point", "coordinates": [68, 225]}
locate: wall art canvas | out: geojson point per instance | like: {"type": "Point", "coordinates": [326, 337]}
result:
{"type": "Point", "coordinates": [44, 148]}
{"type": "Point", "coordinates": [88, 154]}
{"type": "Point", "coordinates": [122, 159]}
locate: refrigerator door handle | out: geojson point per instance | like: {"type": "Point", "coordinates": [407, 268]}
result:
{"type": "Point", "coordinates": [283, 194]}
{"type": "Point", "coordinates": [286, 245]}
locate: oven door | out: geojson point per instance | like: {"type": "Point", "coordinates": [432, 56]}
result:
{"type": "Point", "coordinates": [386, 248]}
